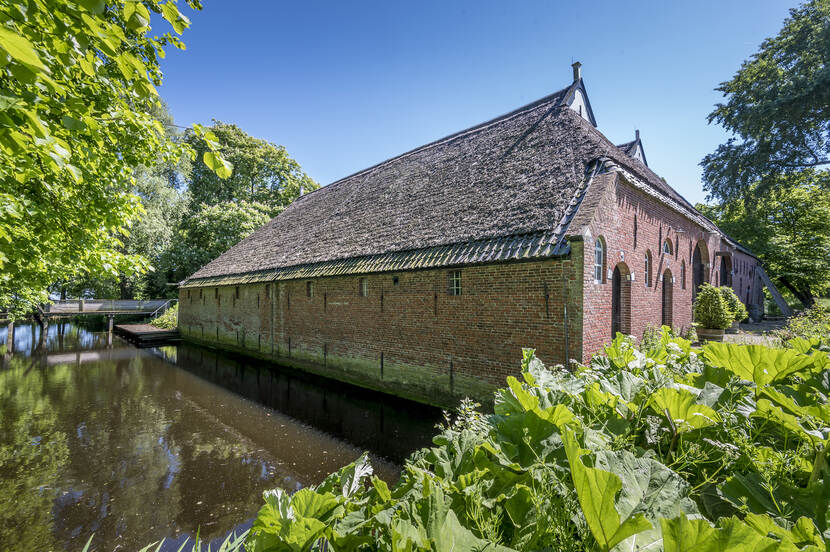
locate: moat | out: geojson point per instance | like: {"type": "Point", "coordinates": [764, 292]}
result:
{"type": "Point", "coordinates": [134, 445]}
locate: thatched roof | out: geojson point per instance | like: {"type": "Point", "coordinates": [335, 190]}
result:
{"type": "Point", "coordinates": [503, 189]}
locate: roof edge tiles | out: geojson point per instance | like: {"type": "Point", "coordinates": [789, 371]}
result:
{"type": "Point", "coordinates": [526, 247]}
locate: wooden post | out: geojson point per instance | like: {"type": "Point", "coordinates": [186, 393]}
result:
{"type": "Point", "coordinates": [10, 338]}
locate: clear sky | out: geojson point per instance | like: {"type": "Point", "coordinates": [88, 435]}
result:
{"type": "Point", "coordinates": [344, 85]}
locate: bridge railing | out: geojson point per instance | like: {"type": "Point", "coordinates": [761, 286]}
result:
{"type": "Point", "coordinates": [106, 305]}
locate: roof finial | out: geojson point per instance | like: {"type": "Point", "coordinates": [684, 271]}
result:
{"type": "Point", "coordinates": [577, 67]}
{"type": "Point", "coordinates": [637, 134]}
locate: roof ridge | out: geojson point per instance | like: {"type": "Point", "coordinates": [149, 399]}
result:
{"type": "Point", "coordinates": [480, 126]}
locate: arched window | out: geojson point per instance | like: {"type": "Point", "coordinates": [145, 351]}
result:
{"type": "Point", "coordinates": [683, 274]}
{"type": "Point", "coordinates": [599, 261]}
{"type": "Point", "coordinates": [667, 247]}
{"type": "Point", "coordinates": [647, 268]}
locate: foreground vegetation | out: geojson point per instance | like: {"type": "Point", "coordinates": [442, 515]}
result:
{"type": "Point", "coordinates": [658, 448]}
{"type": "Point", "coordinates": [169, 320]}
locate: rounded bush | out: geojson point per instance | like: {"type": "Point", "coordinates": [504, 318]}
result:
{"type": "Point", "coordinates": [711, 309]}
{"type": "Point", "coordinates": [736, 306]}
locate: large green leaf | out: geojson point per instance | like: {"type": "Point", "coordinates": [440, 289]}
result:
{"type": "Point", "coordinates": [597, 490]}
{"type": "Point", "coordinates": [757, 363]}
{"type": "Point", "coordinates": [682, 408]}
{"type": "Point", "coordinates": [349, 479]}
{"type": "Point", "coordinates": [648, 488]}
{"type": "Point", "coordinates": [218, 164]}
{"type": "Point", "coordinates": [20, 49]}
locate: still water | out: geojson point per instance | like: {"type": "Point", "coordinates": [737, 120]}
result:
{"type": "Point", "coordinates": [97, 436]}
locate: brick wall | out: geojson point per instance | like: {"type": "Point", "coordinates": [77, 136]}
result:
{"type": "Point", "coordinates": [616, 205]}
{"type": "Point", "coordinates": [411, 338]}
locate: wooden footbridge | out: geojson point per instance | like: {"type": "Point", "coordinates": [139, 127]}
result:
{"type": "Point", "coordinates": [107, 306]}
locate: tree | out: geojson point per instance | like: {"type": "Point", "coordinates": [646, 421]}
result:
{"type": "Point", "coordinates": [77, 94]}
{"type": "Point", "coordinates": [263, 172]}
{"type": "Point", "coordinates": [788, 227]}
{"type": "Point", "coordinates": [208, 233]}
{"type": "Point", "coordinates": [778, 106]}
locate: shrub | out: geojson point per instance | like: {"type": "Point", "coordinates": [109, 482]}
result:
{"type": "Point", "coordinates": [169, 320]}
{"type": "Point", "coordinates": [659, 449]}
{"type": "Point", "coordinates": [736, 306]}
{"type": "Point", "coordinates": [813, 323]}
{"type": "Point", "coordinates": [711, 309]}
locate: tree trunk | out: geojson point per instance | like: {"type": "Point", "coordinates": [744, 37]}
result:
{"type": "Point", "coordinates": [804, 295]}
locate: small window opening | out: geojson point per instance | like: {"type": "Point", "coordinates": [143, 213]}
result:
{"type": "Point", "coordinates": [216, 293]}
{"type": "Point", "coordinates": [683, 274]}
{"type": "Point", "coordinates": [395, 280]}
{"type": "Point", "coordinates": [599, 264]}
{"type": "Point", "coordinates": [364, 287]}
{"type": "Point", "coordinates": [267, 291]}
{"type": "Point", "coordinates": [237, 292]}
{"type": "Point", "coordinates": [455, 282]}
{"type": "Point", "coordinates": [667, 247]}
{"type": "Point", "coordinates": [309, 289]}
{"type": "Point", "coordinates": [647, 268]}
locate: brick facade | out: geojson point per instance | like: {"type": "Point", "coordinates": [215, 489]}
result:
{"type": "Point", "coordinates": [408, 337]}
{"type": "Point", "coordinates": [632, 225]}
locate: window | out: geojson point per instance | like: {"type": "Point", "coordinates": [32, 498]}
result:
{"type": "Point", "coordinates": [216, 293]}
{"type": "Point", "coordinates": [455, 282]}
{"type": "Point", "coordinates": [395, 280]}
{"type": "Point", "coordinates": [599, 264]}
{"type": "Point", "coordinates": [267, 291]}
{"type": "Point", "coordinates": [309, 289]}
{"type": "Point", "coordinates": [683, 274]}
{"type": "Point", "coordinates": [237, 292]}
{"type": "Point", "coordinates": [667, 247]}
{"type": "Point", "coordinates": [647, 269]}
{"type": "Point", "coordinates": [364, 287]}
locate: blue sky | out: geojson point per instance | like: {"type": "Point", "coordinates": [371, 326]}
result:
{"type": "Point", "coordinates": [344, 85]}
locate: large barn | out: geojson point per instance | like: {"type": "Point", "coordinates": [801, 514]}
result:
{"type": "Point", "coordinates": [425, 275]}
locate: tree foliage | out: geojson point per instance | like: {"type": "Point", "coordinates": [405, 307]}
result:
{"type": "Point", "coordinates": [788, 227]}
{"type": "Point", "coordinates": [77, 96]}
{"type": "Point", "coordinates": [263, 173]}
{"type": "Point", "coordinates": [778, 106]}
{"type": "Point", "coordinates": [209, 232]}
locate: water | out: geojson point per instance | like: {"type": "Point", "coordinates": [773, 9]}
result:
{"type": "Point", "coordinates": [133, 445]}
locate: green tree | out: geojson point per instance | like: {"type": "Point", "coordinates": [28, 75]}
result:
{"type": "Point", "coordinates": [77, 94]}
{"type": "Point", "coordinates": [778, 107]}
{"type": "Point", "coordinates": [208, 233]}
{"type": "Point", "coordinates": [788, 227]}
{"type": "Point", "coordinates": [263, 172]}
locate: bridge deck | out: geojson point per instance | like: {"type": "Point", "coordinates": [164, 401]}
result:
{"type": "Point", "coordinates": [114, 306]}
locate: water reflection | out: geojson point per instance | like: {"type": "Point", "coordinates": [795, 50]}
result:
{"type": "Point", "coordinates": [134, 445]}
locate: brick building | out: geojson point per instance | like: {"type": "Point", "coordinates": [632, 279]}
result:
{"type": "Point", "coordinates": [425, 275]}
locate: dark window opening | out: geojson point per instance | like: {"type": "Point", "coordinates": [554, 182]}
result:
{"type": "Point", "coordinates": [394, 280]}
{"type": "Point", "coordinates": [309, 289]}
{"type": "Point", "coordinates": [237, 292]}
